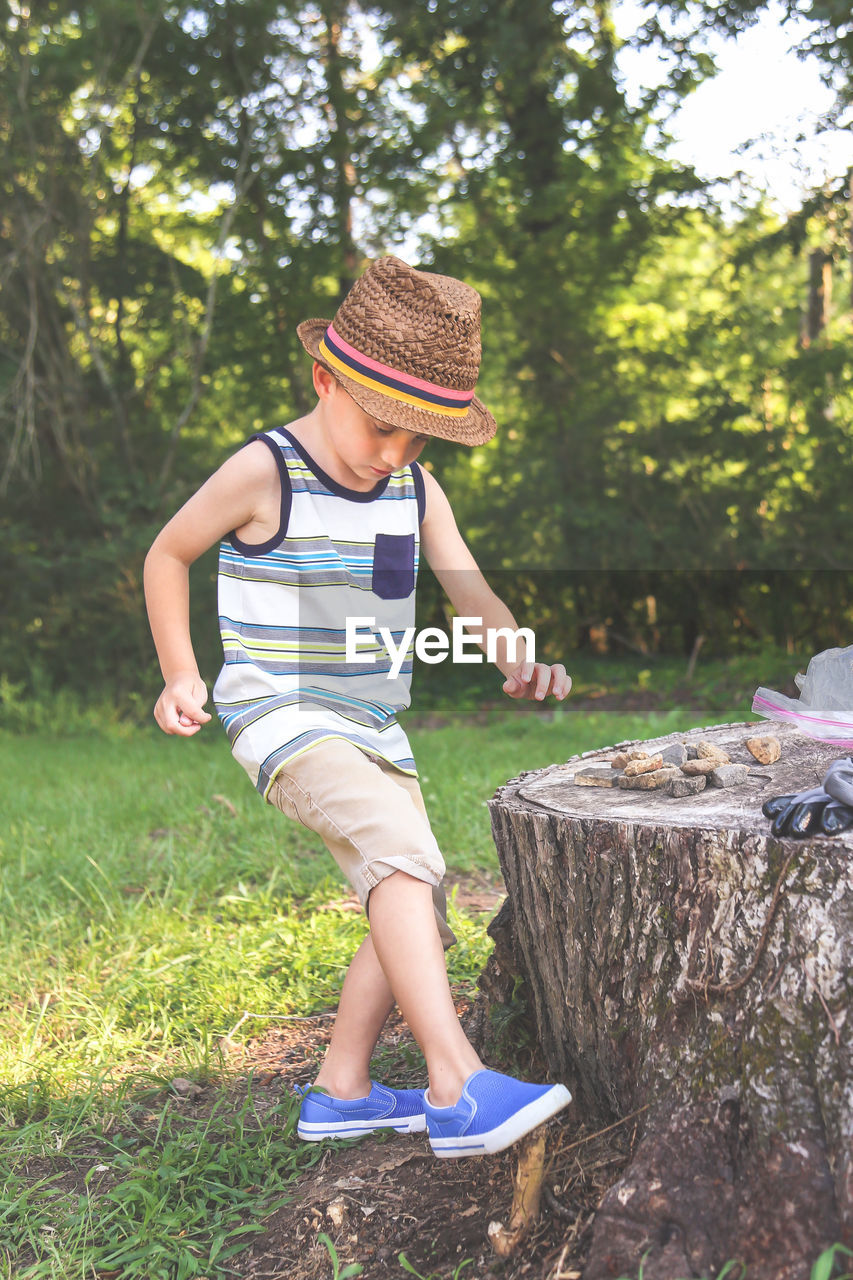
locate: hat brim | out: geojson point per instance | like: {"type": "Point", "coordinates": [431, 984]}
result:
{"type": "Point", "coordinates": [476, 427]}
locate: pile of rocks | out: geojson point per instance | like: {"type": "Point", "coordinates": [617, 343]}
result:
{"type": "Point", "coordinates": [682, 769]}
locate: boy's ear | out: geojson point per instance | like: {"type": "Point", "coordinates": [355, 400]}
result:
{"type": "Point", "coordinates": [324, 381]}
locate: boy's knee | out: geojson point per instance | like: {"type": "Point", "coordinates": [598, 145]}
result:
{"type": "Point", "coordinates": [406, 893]}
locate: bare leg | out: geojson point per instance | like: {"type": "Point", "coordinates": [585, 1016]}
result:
{"type": "Point", "coordinates": [403, 945]}
{"type": "Point", "coordinates": [366, 1001]}
{"type": "Point", "coordinates": [404, 955]}
{"type": "Point", "coordinates": [408, 948]}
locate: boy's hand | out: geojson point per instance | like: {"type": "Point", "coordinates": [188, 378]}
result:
{"type": "Point", "coordinates": [180, 707]}
{"type": "Point", "coordinates": [536, 680]}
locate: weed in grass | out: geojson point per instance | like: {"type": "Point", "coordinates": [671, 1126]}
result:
{"type": "Point", "coordinates": [457, 1273]}
{"type": "Point", "coordinates": [826, 1266]}
{"type": "Point", "coordinates": [727, 1272]}
{"type": "Point", "coordinates": [511, 1023]}
{"type": "Point", "coordinates": [823, 1269]}
{"type": "Point", "coordinates": [168, 1196]}
{"type": "Point", "coordinates": [351, 1269]}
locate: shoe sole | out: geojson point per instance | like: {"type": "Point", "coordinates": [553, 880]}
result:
{"type": "Point", "coordinates": [504, 1135]}
{"type": "Point", "coordinates": [309, 1132]}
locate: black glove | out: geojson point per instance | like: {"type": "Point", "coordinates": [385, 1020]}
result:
{"type": "Point", "coordinates": [838, 784]}
{"type": "Point", "coordinates": [826, 810]}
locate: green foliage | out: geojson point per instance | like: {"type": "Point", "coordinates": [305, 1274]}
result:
{"type": "Point", "coordinates": [351, 1269]}
{"type": "Point", "coordinates": [165, 1195]}
{"type": "Point", "coordinates": [412, 1271]}
{"type": "Point", "coordinates": [183, 184]}
{"type": "Point", "coordinates": [826, 1266]}
{"type": "Point", "coordinates": [511, 1026]}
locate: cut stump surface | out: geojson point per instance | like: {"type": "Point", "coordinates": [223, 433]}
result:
{"type": "Point", "coordinates": [681, 959]}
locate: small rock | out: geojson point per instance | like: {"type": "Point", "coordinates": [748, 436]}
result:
{"type": "Point", "coordinates": [681, 785]}
{"type": "Point", "coordinates": [676, 754]}
{"type": "Point", "coordinates": [647, 781]}
{"type": "Point", "coordinates": [765, 750]}
{"type": "Point", "coordinates": [638, 755]}
{"type": "Point", "coordinates": [597, 775]}
{"type": "Point", "coordinates": [619, 760]}
{"type": "Point", "coordinates": [728, 775]}
{"type": "Point", "coordinates": [647, 765]}
{"type": "Point", "coordinates": [692, 753]}
{"type": "Point", "coordinates": [707, 751]}
{"type": "Point", "coordinates": [185, 1088]}
{"type": "Point", "coordinates": [336, 1210]}
{"type": "Point", "coordinates": [696, 768]}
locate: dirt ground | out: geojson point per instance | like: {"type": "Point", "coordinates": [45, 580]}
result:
{"type": "Point", "coordinates": [385, 1199]}
{"type": "Point", "coordinates": [381, 1197]}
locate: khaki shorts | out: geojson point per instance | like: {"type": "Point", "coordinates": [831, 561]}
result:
{"type": "Point", "coordinates": [370, 816]}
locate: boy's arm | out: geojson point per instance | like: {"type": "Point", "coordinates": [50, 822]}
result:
{"type": "Point", "coordinates": [471, 596]}
{"type": "Point", "coordinates": [227, 501]}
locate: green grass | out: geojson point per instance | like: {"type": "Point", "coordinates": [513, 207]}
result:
{"type": "Point", "coordinates": [150, 904]}
{"type": "Point", "coordinates": [158, 1196]}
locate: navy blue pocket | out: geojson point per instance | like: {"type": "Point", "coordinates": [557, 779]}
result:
{"type": "Point", "coordinates": [394, 565]}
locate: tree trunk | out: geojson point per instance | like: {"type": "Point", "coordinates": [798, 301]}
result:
{"type": "Point", "coordinates": [820, 297]}
{"type": "Point", "coordinates": [682, 960]}
{"type": "Point", "coordinates": [340, 145]}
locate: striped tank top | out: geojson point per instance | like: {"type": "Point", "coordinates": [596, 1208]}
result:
{"type": "Point", "coordinates": [339, 553]}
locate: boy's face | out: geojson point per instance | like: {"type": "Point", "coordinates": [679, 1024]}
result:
{"type": "Point", "coordinates": [367, 448]}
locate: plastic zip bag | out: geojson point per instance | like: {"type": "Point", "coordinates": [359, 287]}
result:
{"type": "Point", "coordinates": [824, 709]}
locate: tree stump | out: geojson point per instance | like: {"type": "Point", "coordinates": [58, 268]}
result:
{"type": "Point", "coordinates": [684, 961]}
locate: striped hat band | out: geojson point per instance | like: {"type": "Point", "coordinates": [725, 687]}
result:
{"type": "Point", "coordinates": [338, 353]}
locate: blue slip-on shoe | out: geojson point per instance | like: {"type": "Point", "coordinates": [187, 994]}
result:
{"type": "Point", "coordinates": [322, 1116]}
{"type": "Point", "coordinates": [494, 1111]}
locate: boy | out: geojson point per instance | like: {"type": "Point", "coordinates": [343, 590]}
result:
{"type": "Point", "coordinates": [323, 523]}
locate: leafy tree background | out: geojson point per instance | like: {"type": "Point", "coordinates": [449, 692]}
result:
{"type": "Point", "coordinates": [182, 183]}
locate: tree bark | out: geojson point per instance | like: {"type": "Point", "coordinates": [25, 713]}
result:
{"type": "Point", "coordinates": [681, 959]}
{"type": "Point", "coordinates": [820, 297]}
{"type": "Point", "coordinates": [340, 145]}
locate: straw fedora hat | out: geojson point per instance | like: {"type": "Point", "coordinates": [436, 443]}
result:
{"type": "Point", "coordinates": [405, 344]}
